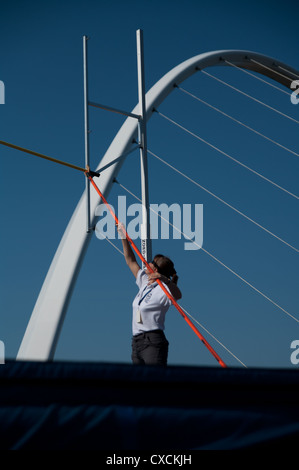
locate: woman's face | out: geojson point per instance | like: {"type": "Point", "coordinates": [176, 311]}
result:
{"type": "Point", "coordinates": [153, 268]}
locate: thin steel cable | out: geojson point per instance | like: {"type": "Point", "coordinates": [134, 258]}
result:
{"type": "Point", "coordinates": [257, 78]}
{"type": "Point", "coordinates": [271, 70]}
{"type": "Point", "coordinates": [250, 285]}
{"type": "Point", "coordinates": [212, 336]}
{"type": "Point", "coordinates": [108, 240]}
{"type": "Point", "coordinates": [226, 154]}
{"type": "Point", "coordinates": [218, 261]}
{"type": "Point", "coordinates": [289, 71]}
{"type": "Point", "coordinates": [237, 121]}
{"type": "Point", "coordinates": [222, 200]}
{"type": "Point", "coordinates": [249, 96]}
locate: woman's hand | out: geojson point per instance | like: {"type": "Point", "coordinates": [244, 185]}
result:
{"type": "Point", "coordinates": [174, 290]}
{"type": "Point", "coordinates": [121, 230]}
{"type": "Point", "coordinates": [152, 277]}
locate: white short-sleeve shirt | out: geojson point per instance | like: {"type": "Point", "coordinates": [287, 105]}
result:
{"type": "Point", "coordinates": [152, 304]}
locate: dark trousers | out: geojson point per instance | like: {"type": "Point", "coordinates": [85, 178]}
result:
{"type": "Point", "coordinates": [150, 347]}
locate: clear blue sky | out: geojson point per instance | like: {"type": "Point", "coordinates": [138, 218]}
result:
{"type": "Point", "coordinates": [41, 66]}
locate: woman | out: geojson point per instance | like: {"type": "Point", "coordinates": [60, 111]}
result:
{"type": "Point", "coordinates": [149, 344]}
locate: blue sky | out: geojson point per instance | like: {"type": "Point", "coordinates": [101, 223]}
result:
{"type": "Point", "coordinates": [41, 66]}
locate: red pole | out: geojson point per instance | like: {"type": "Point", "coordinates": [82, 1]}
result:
{"type": "Point", "coordinates": [196, 331]}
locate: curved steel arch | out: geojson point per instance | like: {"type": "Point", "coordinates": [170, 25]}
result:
{"type": "Point", "coordinates": [42, 333]}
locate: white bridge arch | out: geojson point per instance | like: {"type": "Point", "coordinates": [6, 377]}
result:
{"type": "Point", "coordinates": [43, 330]}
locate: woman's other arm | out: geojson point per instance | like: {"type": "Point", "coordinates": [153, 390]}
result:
{"type": "Point", "coordinates": [174, 290]}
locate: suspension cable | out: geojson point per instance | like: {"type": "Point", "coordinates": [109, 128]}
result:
{"type": "Point", "coordinates": [218, 261]}
{"type": "Point", "coordinates": [272, 70]}
{"type": "Point", "coordinates": [221, 200]}
{"type": "Point", "coordinates": [249, 96]}
{"type": "Point", "coordinates": [104, 237]}
{"type": "Point", "coordinates": [256, 77]}
{"type": "Point", "coordinates": [212, 336]}
{"type": "Point", "coordinates": [289, 71]}
{"type": "Point", "coordinates": [237, 121]}
{"type": "Point", "coordinates": [226, 154]}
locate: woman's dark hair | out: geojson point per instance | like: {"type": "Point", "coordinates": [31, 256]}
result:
{"type": "Point", "coordinates": [166, 267]}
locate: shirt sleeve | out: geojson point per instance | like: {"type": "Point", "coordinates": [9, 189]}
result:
{"type": "Point", "coordinates": [141, 277]}
{"type": "Point", "coordinates": [165, 301]}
